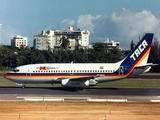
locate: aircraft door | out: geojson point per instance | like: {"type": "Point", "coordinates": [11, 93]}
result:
{"type": "Point", "coordinates": [121, 70]}
{"type": "Point", "coordinates": [28, 73]}
{"type": "Point", "coordinates": [71, 72]}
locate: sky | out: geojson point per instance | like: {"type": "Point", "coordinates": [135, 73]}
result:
{"type": "Point", "coordinates": [118, 20]}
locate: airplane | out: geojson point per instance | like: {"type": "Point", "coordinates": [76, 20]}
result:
{"type": "Point", "coordinates": [80, 75]}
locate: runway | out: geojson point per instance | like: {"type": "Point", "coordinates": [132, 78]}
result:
{"type": "Point", "coordinates": [87, 91]}
{"type": "Point", "coordinates": [87, 94]}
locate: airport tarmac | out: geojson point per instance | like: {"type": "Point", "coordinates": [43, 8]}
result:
{"type": "Point", "coordinates": [58, 103]}
{"type": "Point", "coordinates": [87, 94]}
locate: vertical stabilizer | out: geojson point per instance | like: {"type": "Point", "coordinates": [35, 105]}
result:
{"type": "Point", "coordinates": [139, 55]}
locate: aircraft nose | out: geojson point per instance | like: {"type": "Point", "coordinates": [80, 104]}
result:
{"type": "Point", "coordinates": [6, 75]}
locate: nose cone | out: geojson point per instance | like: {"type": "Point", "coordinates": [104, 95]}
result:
{"type": "Point", "coordinates": [6, 75]}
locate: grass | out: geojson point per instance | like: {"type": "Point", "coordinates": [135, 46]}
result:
{"type": "Point", "coordinates": [139, 82]}
{"type": "Point", "coordinates": [5, 82]}
{"type": "Point", "coordinates": [132, 83]}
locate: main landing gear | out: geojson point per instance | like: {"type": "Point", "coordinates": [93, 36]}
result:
{"type": "Point", "coordinates": [22, 85]}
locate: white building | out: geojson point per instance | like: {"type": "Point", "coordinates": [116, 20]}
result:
{"type": "Point", "coordinates": [112, 43]}
{"type": "Point", "coordinates": [50, 39]}
{"type": "Point", "coordinates": [19, 41]}
{"type": "Point", "coordinates": [45, 40]}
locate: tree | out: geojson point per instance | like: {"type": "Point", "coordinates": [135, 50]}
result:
{"type": "Point", "coordinates": [64, 42]}
{"type": "Point", "coordinates": [99, 47]}
{"type": "Point", "coordinates": [115, 54]}
{"type": "Point", "coordinates": [36, 56]}
{"type": "Point", "coordinates": [132, 45]}
{"type": "Point", "coordinates": [77, 45]}
{"type": "Point", "coordinates": [49, 56]}
{"type": "Point", "coordinates": [154, 56]}
{"type": "Point", "coordinates": [12, 57]}
{"type": "Point", "coordinates": [4, 57]}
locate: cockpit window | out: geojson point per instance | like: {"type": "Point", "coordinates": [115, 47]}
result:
{"type": "Point", "coordinates": [15, 70]}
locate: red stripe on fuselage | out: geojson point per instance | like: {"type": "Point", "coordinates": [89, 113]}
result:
{"type": "Point", "coordinates": [57, 74]}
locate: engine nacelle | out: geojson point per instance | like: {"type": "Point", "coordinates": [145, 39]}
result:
{"type": "Point", "coordinates": [92, 82]}
{"type": "Point", "coordinates": [74, 83]}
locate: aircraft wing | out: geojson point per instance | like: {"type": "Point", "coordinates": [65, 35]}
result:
{"type": "Point", "coordinates": [78, 78]}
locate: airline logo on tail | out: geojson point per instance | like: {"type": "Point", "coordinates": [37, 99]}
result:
{"type": "Point", "coordinates": [140, 53]}
{"type": "Point", "coordinates": [139, 50]}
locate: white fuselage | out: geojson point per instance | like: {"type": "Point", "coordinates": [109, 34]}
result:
{"type": "Point", "coordinates": [54, 73]}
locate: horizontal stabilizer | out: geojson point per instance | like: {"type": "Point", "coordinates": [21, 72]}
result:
{"type": "Point", "coordinates": [148, 64]}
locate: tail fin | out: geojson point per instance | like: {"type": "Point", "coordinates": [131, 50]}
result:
{"type": "Point", "coordinates": [139, 55]}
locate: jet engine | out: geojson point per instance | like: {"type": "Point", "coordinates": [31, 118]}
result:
{"type": "Point", "coordinates": [74, 83]}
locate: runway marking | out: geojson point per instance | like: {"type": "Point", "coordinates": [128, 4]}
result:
{"type": "Point", "coordinates": [41, 98]}
{"type": "Point", "coordinates": [85, 99]}
{"type": "Point", "coordinates": [53, 100]}
{"type": "Point", "coordinates": [31, 98]}
{"type": "Point", "coordinates": [154, 100]}
{"type": "Point", "coordinates": [97, 100]}
{"type": "Point", "coordinates": [117, 100]}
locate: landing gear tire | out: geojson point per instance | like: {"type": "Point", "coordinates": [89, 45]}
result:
{"type": "Point", "coordinates": [80, 88]}
{"type": "Point", "coordinates": [23, 86]}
